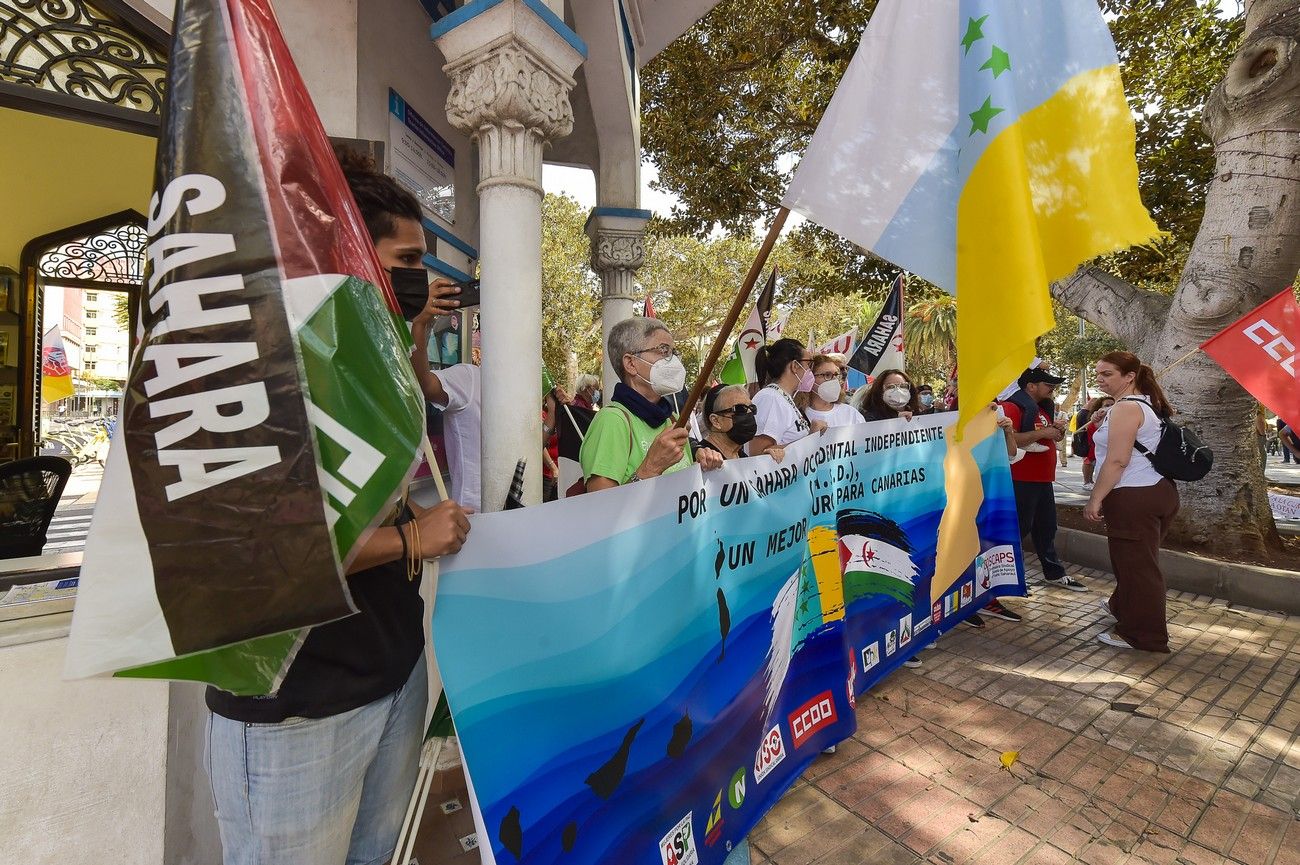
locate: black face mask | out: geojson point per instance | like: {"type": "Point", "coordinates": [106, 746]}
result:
{"type": "Point", "coordinates": [743, 428]}
{"type": "Point", "coordinates": [411, 285]}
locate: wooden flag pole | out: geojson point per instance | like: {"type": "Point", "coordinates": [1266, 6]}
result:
{"type": "Point", "coordinates": [737, 306]}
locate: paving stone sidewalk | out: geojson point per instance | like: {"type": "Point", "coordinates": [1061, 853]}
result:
{"type": "Point", "coordinates": [1125, 757]}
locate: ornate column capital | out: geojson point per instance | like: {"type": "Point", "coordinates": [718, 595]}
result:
{"type": "Point", "coordinates": [510, 84]}
{"type": "Point", "coordinates": [612, 249]}
{"type": "Point", "coordinates": [617, 248]}
{"type": "Point", "coordinates": [511, 72]}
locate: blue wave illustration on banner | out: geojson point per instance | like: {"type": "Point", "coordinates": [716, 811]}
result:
{"type": "Point", "coordinates": [638, 675]}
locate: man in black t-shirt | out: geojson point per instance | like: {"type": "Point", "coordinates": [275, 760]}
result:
{"type": "Point", "coordinates": [319, 773]}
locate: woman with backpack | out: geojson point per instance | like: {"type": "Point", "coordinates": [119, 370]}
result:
{"type": "Point", "coordinates": [1137, 502]}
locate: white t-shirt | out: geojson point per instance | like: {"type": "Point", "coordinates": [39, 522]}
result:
{"type": "Point", "coordinates": [778, 417]}
{"type": "Point", "coordinates": [1140, 472]}
{"type": "Point", "coordinates": [841, 414]}
{"type": "Point", "coordinates": [462, 422]}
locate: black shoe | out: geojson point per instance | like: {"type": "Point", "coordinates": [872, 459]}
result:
{"type": "Point", "coordinates": [976, 622]}
{"type": "Point", "coordinates": [997, 611]}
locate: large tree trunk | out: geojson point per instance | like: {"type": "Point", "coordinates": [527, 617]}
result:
{"type": "Point", "coordinates": [1246, 250]}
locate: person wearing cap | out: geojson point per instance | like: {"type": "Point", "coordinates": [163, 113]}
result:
{"type": "Point", "coordinates": [1033, 476]}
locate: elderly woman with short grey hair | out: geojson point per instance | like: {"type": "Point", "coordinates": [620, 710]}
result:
{"type": "Point", "coordinates": [586, 391]}
{"type": "Point", "coordinates": [633, 438]}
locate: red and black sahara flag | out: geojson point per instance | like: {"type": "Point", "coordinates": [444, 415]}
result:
{"type": "Point", "coordinates": [271, 417]}
{"type": "Point", "coordinates": [882, 346]}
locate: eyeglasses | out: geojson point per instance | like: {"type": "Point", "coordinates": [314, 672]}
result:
{"type": "Point", "coordinates": [739, 408]}
{"type": "Point", "coordinates": [664, 350]}
{"type": "Point", "coordinates": [827, 376]}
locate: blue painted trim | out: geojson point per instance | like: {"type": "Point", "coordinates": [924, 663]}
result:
{"type": "Point", "coordinates": [630, 47]}
{"type": "Point", "coordinates": [478, 7]}
{"type": "Point", "coordinates": [460, 16]}
{"type": "Point", "coordinates": [440, 266]}
{"type": "Point", "coordinates": [444, 234]}
{"type": "Point", "coordinates": [629, 212]}
{"type": "Point", "coordinates": [623, 211]}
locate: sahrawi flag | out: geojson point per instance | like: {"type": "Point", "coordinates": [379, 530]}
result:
{"type": "Point", "coordinates": [271, 418]}
{"type": "Point", "coordinates": [759, 330]}
{"type": "Point", "coordinates": [986, 146]}
{"type": "Point", "coordinates": [842, 344]}
{"type": "Point", "coordinates": [876, 558]}
{"type": "Point", "coordinates": [882, 347]}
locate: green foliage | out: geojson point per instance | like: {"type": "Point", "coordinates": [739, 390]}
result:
{"type": "Point", "coordinates": [930, 337]}
{"type": "Point", "coordinates": [122, 311]}
{"type": "Point", "coordinates": [1071, 351]}
{"type": "Point", "coordinates": [730, 106]}
{"type": "Point", "coordinates": [570, 293]}
{"type": "Point", "coordinates": [693, 283]}
{"type": "Point", "coordinates": [726, 103]}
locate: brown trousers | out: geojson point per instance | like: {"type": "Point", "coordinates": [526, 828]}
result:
{"type": "Point", "coordinates": [1136, 521]}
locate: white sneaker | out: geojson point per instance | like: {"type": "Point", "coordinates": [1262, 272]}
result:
{"type": "Point", "coordinates": [1067, 582]}
{"type": "Point", "coordinates": [912, 662]}
{"type": "Point", "coordinates": [1111, 640]}
{"type": "Point", "coordinates": [1105, 607]}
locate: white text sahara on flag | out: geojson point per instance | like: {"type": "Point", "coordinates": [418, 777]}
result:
{"type": "Point", "coordinates": [271, 417]}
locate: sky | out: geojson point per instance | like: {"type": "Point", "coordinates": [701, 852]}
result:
{"type": "Point", "coordinates": [580, 183]}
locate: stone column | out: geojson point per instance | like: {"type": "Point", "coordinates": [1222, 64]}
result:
{"type": "Point", "coordinates": [617, 252]}
{"type": "Point", "coordinates": [511, 72]}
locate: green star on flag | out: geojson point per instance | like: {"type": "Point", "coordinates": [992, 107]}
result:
{"type": "Point", "coordinates": [997, 64]}
{"type": "Point", "coordinates": [974, 32]}
{"type": "Point", "coordinates": [980, 119]}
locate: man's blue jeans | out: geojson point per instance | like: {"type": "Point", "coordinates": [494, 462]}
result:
{"type": "Point", "coordinates": [325, 791]}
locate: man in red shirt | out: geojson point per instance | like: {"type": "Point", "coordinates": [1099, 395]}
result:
{"type": "Point", "coordinates": [1033, 475]}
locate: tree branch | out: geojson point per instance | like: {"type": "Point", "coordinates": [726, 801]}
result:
{"type": "Point", "coordinates": [1126, 312]}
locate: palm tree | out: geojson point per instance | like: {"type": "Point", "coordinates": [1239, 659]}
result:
{"type": "Point", "coordinates": [930, 334]}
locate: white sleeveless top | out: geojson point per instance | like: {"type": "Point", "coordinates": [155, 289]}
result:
{"type": "Point", "coordinates": [1139, 472]}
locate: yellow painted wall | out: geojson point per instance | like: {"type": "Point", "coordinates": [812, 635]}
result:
{"type": "Point", "coordinates": [55, 173]}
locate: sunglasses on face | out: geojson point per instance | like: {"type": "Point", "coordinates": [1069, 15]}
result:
{"type": "Point", "coordinates": [742, 408]}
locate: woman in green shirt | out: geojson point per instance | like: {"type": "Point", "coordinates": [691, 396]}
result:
{"type": "Point", "coordinates": [633, 438]}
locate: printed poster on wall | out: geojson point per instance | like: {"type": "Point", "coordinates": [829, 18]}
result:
{"type": "Point", "coordinates": [638, 675]}
{"type": "Point", "coordinates": [421, 159]}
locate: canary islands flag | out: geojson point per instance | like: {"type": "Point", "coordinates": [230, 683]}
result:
{"type": "Point", "coordinates": [986, 146]}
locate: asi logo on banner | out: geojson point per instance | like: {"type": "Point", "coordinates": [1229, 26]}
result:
{"type": "Point", "coordinates": [770, 754]}
{"type": "Point", "coordinates": [817, 713]}
{"type": "Point", "coordinates": [678, 846]}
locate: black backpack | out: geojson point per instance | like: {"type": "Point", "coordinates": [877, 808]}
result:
{"type": "Point", "coordinates": [1079, 443]}
{"type": "Point", "coordinates": [1180, 455]}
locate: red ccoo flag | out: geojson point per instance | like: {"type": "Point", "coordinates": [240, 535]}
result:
{"type": "Point", "coordinates": [1259, 350]}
